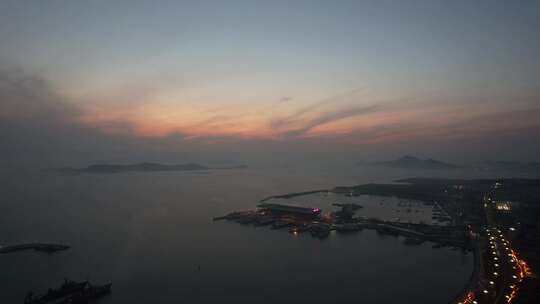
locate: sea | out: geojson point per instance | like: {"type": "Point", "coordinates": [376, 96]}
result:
{"type": "Point", "coordinates": [152, 236]}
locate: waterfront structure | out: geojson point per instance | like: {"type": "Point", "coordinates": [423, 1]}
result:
{"type": "Point", "coordinates": [290, 209]}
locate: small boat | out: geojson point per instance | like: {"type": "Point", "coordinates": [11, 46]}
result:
{"type": "Point", "coordinates": [320, 231]}
{"type": "Point", "coordinates": [299, 228]}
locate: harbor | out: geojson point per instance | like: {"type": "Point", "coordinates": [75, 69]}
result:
{"type": "Point", "coordinates": [300, 219]}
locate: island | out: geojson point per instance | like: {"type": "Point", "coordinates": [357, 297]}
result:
{"type": "Point", "coordinates": [144, 167]}
{"type": "Point", "coordinates": [411, 162]}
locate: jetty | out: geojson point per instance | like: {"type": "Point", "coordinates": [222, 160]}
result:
{"type": "Point", "coordinates": [43, 247]}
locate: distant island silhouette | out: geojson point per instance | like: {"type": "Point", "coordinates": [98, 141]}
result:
{"type": "Point", "coordinates": [512, 166]}
{"type": "Point", "coordinates": [143, 167]}
{"type": "Point", "coordinates": [411, 162]}
{"type": "Point", "coordinates": [415, 163]}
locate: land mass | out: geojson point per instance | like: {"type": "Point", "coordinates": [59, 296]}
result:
{"type": "Point", "coordinates": [414, 163]}
{"type": "Point", "coordinates": [497, 219]}
{"type": "Point", "coordinates": [144, 167]}
{"type": "Point", "coordinates": [511, 166]}
{"type": "Point", "coordinates": [411, 162]}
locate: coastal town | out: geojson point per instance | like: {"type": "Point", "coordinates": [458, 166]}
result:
{"type": "Point", "coordinates": [494, 220]}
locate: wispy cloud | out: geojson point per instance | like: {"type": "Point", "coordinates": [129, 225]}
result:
{"type": "Point", "coordinates": [283, 122]}
{"type": "Point", "coordinates": [329, 117]}
{"type": "Point", "coordinates": [337, 107]}
{"type": "Point", "coordinates": [37, 121]}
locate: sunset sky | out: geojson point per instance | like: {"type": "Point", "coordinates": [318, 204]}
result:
{"type": "Point", "coordinates": [354, 74]}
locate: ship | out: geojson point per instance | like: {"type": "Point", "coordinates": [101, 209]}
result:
{"type": "Point", "coordinates": [68, 288]}
{"type": "Point", "coordinates": [71, 293]}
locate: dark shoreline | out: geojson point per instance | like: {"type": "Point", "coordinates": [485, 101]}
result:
{"type": "Point", "coordinates": [422, 189]}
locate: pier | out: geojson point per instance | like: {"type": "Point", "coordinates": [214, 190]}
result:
{"type": "Point", "coordinates": [43, 247]}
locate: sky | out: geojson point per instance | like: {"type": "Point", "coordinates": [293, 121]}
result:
{"type": "Point", "coordinates": [318, 80]}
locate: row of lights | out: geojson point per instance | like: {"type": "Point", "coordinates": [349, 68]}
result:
{"type": "Point", "coordinates": [513, 259]}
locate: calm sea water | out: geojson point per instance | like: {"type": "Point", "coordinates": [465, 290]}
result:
{"type": "Point", "coordinates": [148, 233]}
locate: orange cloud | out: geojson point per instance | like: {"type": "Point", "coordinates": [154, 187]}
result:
{"type": "Point", "coordinates": [346, 118]}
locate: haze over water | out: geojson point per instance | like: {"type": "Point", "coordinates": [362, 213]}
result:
{"type": "Point", "coordinates": [300, 91]}
{"type": "Point", "coordinates": [149, 232]}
